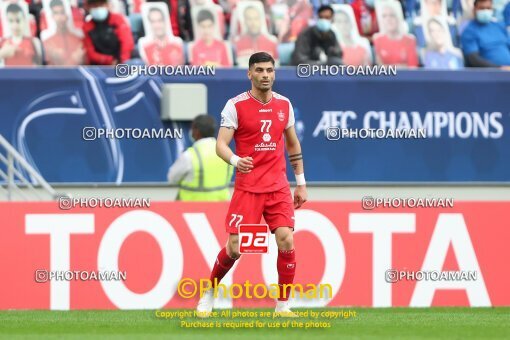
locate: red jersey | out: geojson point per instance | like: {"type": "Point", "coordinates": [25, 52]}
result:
{"type": "Point", "coordinates": [396, 52]}
{"type": "Point", "coordinates": [354, 55]}
{"type": "Point", "coordinates": [300, 13]}
{"type": "Point", "coordinates": [366, 20]}
{"type": "Point", "coordinates": [64, 49]}
{"type": "Point", "coordinates": [215, 54]}
{"type": "Point", "coordinates": [246, 45]}
{"type": "Point", "coordinates": [259, 134]}
{"type": "Point", "coordinates": [170, 52]}
{"type": "Point", "coordinates": [25, 55]}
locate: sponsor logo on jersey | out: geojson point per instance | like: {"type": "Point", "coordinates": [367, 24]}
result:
{"type": "Point", "coordinates": [281, 116]}
{"type": "Point", "coordinates": [265, 146]}
{"type": "Point", "coordinates": [266, 110]}
{"type": "Point", "coordinates": [266, 137]}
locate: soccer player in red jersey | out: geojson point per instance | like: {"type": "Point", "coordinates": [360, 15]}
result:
{"type": "Point", "coordinates": [262, 124]}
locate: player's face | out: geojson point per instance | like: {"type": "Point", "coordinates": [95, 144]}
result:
{"type": "Point", "coordinates": [157, 22]}
{"type": "Point", "coordinates": [206, 30]}
{"type": "Point", "coordinates": [437, 34]}
{"type": "Point", "coordinates": [433, 7]}
{"type": "Point", "coordinates": [59, 15]}
{"type": "Point", "coordinates": [262, 75]}
{"type": "Point", "coordinates": [16, 23]}
{"type": "Point", "coordinates": [252, 19]}
{"type": "Point", "coordinates": [389, 18]}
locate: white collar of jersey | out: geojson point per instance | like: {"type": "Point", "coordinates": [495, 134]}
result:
{"type": "Point", "coordinates": [269, 101]}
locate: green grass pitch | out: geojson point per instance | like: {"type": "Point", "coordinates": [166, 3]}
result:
{"type": "Point", "coordinates": [369, 323]}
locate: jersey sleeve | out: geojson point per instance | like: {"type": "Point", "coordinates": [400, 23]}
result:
{"type": "Point", "coordinates": [229, 115]}
{"type": "Point", "coordinates": [292, 120]}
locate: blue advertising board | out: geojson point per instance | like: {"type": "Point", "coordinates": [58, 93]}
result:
{"type": "Point", "coordinates": [465, 116]}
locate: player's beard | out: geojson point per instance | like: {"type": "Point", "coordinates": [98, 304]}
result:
{"type": "Point", "coordinates": [264, 87]}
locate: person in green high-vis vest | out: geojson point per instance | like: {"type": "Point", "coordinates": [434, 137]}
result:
{"type": "Point", "coordinates": [199, 172]}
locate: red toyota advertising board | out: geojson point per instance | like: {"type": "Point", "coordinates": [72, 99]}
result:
{"type": "Point", "coordinates": [381, 257]}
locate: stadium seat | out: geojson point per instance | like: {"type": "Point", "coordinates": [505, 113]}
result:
{"type": "Point", "coordinates": [285, 53]}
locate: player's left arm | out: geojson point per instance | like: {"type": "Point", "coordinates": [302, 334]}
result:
{"type": "Point", "coordinates": [296, 161]}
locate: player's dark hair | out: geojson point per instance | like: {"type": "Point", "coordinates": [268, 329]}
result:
{"type": "Point", "coordinates": [56, 3]}
{"type": "Point", "coordinates": [96, 2]}
{"type": "Point", "coordinates": [478, 1]}
{"type": "Point", "coordinates": [204, 15]}
{"type": "Point", "coordinates": [13, 8]}
{"type": "Point", "coordinates": [156, 9]}
{"type": "Point", "coordinates": [325, 8]}
{"type": "Point", "coordinates": [205, 124]}
{"type": "Point", "coordinates": [260, 57]}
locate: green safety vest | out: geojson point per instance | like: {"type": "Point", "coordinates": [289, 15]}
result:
{"type": "Point", "coordinates": [211, 175]}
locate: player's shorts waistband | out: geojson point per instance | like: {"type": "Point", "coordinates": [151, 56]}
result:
{"type": "Point", "coordinates": [283, 188]}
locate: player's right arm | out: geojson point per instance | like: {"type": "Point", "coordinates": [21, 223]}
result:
{"type": "Point", "coordinates": [223, 150]}
{"type": "Point", "coordinates": [228, 126]}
